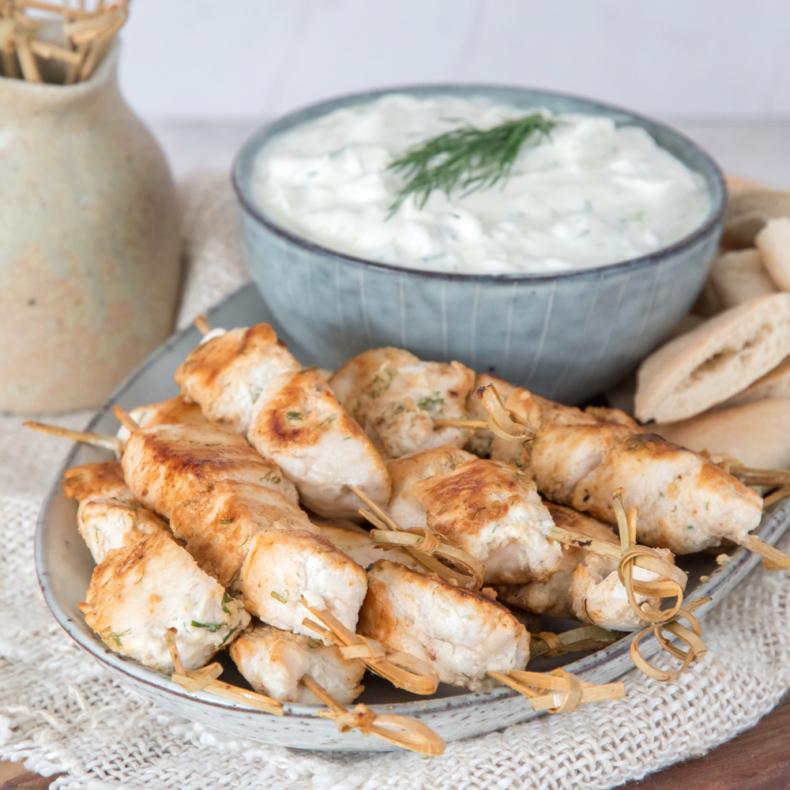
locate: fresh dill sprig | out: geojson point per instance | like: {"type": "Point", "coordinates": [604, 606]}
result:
{"type": "Point", "coordinates": [468, 158]}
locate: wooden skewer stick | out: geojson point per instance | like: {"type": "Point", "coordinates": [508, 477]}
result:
{"type": "Point", "coordinates": [196, 680]}
{"type": "Point", "coordinates": [72, 72]}
{"type": "Point", "coordinates": [429, 544]}
{"type": "Point", "coordinates": [202, 324]}
{"type": "Point", "coordinates": [26, 59]}
{"type": "Point", "coordinates": [50, 51]}
{"type": "Point", "coordinates": [589, 637]}
{"type": "Point", "coordinates": [8, 48]}
{"type": "Point", "coordinates": [98, 48]}
{"type": "Point", "coordinates": [402, 731]}
{"type": "Point", "coordinates": [109, 442]}
{"type": "Point", "coordinates": [401, 669]}
{"type": "Point", "coordinates": [125, 418]}
{"type": "Point", "coordinates": [773, 559]}
{"type": "Point", "coordinates": [65, 11]}
{"type": "Point", "coordinates": [442, 423]}
{"type": "Point", "coordinates": [780, 493]}
{"type": "Point", "coordinates": [760, 477]}
{"type": "Point", "coordinates": [565, 691]}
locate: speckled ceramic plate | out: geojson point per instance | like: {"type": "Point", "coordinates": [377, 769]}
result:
{"type": "Point", "coordinates": [64, 568]}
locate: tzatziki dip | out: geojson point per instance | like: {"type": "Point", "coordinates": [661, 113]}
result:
{"type": "Point", "coordinates": [587, 193]}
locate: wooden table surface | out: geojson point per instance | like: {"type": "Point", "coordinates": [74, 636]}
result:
{"type": "Point", "coordinates": [758, 759]}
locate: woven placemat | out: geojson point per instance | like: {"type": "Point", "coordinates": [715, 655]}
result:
{"type": "Point", "coordinates": [61, 712]}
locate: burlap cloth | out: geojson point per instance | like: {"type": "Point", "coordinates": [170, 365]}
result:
{"type": "Point", "coordinates": [60, 712]}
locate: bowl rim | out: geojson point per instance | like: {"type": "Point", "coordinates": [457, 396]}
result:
{"type": "Point", "coordinates": [240, 180]}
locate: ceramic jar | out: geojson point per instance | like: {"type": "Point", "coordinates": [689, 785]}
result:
{"type": "Point", "coordinates": [89, 242]}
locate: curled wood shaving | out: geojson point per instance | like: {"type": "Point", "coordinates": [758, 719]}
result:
{"type": "Point", "coordinates": [399, 730]}
{"type": "Point", "coordinates": [430, 544]}
{"type": "Point", "coordinates": [424, 546]}
{"type": "Point", "coordinates": [401, 669]}
{"type": "Point", "coordinates": [500, 421]}
{"type": "Point", "coordinates": [590, 637]}
{"type": "Point", "coordinates": [205, 679]}
{"type": "Point", "coordinates": [557, 691]}
{"type": "Point", "coordinates": [691, 637]}
{"type": "Point", "coordinates": [671, 586]}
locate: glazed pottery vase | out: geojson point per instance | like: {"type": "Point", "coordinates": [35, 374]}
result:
{"type": "Point", "coordinates": [89, 242]}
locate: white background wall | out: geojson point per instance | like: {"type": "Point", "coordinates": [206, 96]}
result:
{"type": "Point", "coordinates": [249, 59]}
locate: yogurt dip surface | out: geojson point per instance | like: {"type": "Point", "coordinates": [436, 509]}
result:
{"type": "Point", "coordinates": [589, 194]}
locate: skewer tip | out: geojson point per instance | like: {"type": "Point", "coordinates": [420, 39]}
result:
{"type": "Point", "coordinates": [125, 418]}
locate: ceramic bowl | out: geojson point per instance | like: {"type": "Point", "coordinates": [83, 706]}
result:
{"type": "Point", "coordinates": [565, 335]}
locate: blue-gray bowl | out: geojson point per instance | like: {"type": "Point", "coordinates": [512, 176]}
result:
{"type": "Point", "coordinates": [565, 335]}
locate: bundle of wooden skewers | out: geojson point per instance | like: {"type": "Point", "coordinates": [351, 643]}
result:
{"type": "Point", "coordinates": [242, 499]}
{"type": "Point", "coordinates": [55, 43]}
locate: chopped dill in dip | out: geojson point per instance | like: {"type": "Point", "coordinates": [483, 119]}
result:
{"type": "Point", "coordinates": [586, 193]}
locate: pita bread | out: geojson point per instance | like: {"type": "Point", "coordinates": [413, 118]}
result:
{"type": "Point", "coordinates": [772, 386]}
{"type": "Point", "coordinates": [748, 210]}
{"type": "Point", "coordinates": [757, 434]}
{"type": "Point", "coordinates": [739, 276]}
{"type": "Point", "coordinates": [715, 361]}
{"type": "Point", "coordinates": [773, 241]}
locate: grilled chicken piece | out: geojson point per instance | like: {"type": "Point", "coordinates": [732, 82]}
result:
{"type": "Point", "coordinates": [406, 471]}
{"type": "Point", "coordinates": [491, 510]}
{"type": "Point", "coordinates": [229, 371]}
{"type": "Point", "coordinates": [586, 585]}
{"type": "Point", "coordinates": [274, 661]}
{"type": "Point", "coordinates": [108, 516]}
{"type": "Point", "coordinates": [219, 524]}
{"type": "Point", "coordinates": [462, 634]}
{"type": "Point", "coordinates": [684, 503]}
{"type": "Point", "coordinates": [599, 598]}
{"type": "Point", "coordinates": [299, 424]}
{"type": "Point", "coordinates": [363, 550]}
{"type": "Point", "coordinates": [553, 597]}
{"type": "Point", "coordinates": [173, 411]}
{"type": "Point", "coordinates": [282, 566]}
{"type": "Point", "coordinates": [395, 397]}
{"type": "Point", "coordinates": [141, 590]}
{"type": "Point", "coordinates": [481, 440]}
{"type": "Point", "coordinates": [169, 464]}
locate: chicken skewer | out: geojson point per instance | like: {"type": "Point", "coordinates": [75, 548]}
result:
{"type": "Point", "coordinates": [271, 559]}
{"type": "Point", "coordinates": [105, 478]}
{"type": "Point", "coordinates": [276, 556]}
{"type": "Point", "coordinates": [479, 497]}
{"type": "Point", "coordinates": [686, 504]}
{"type": "Point", "coordinates": [587, 585]}
{"type": "Point", "coordinates": [298, 669]}
{"type": "Point", "coordinates": [247, 379]}
{"type": "Point", "coordinates": [471, 641]}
